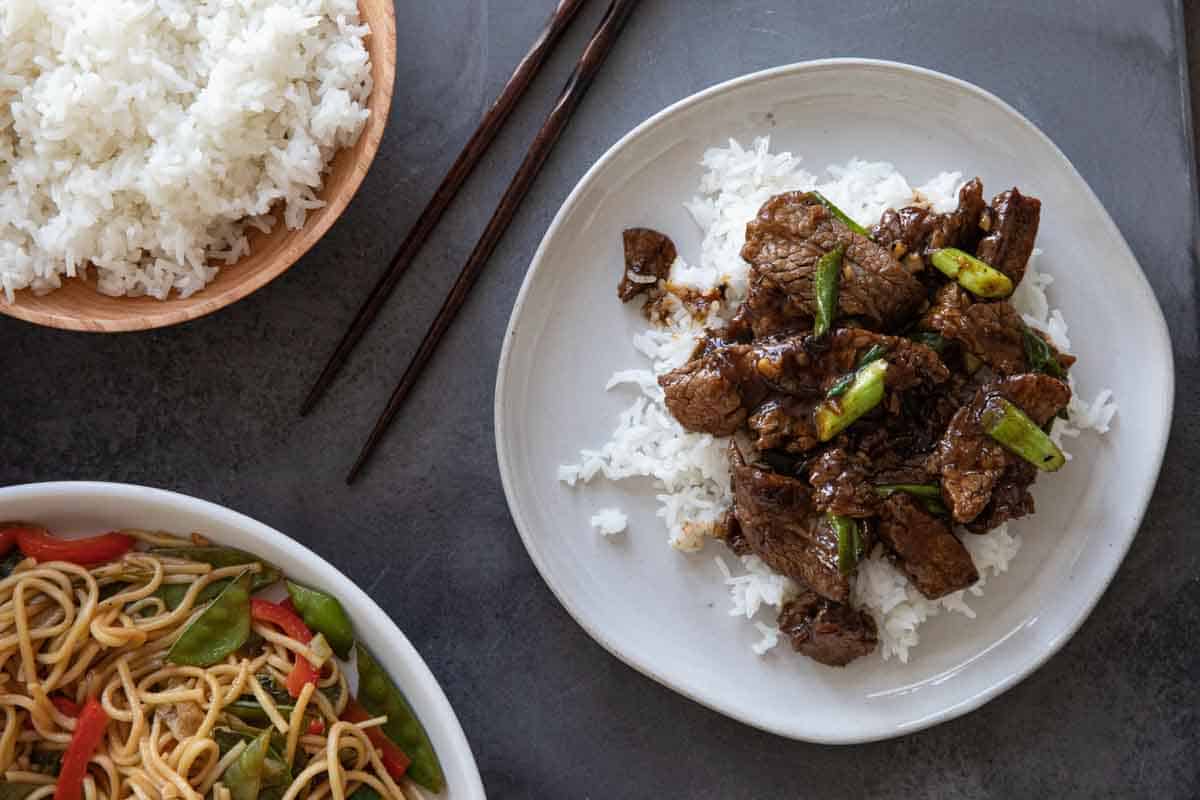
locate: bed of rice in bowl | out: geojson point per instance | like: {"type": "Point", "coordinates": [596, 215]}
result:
{"type": "Point", "coordinates": [143, 138]}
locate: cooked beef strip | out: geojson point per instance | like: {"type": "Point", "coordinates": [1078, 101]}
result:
{"type": "Point", "coordinates": [783, 527]}
{"type": "Point", "coordinates": [831, 633]}
{"type": "Point", "coordinates": [1012, 225]}
{"type": "Point", "coordinates": [969, 461]}
{"type": "Point", "coordinates": [784, 423]}
{"type": "Point", "coordinates": [910, 364]}
{"type": "Point", "coordinates": [926, 549]}
{"type": "Point", "coordinates": [731, 533]}
{"type": "Point", "coordinates": [1010, 498]}
{"type": "Point", "coordinates": [993, 332]}
{"type": "Point", "coordinates": [842, 484]}
{"type": "Point", "coordinates": [648, 254]}
{"type": "Point", "coordinates": [783, 244]}
{"type": "Point", "coordinates": [916, 230]}
{"type": "Point", "coordinates": [766, 311]}
{"type": "Point", "coordinates": [702, 397]}
{"type": "Point", "coordinates": [715, 392]}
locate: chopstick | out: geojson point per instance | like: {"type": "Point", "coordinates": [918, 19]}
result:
{"type": "Point", "coordinates": [589, 63]}
{"type": "Point", "coordinates": [470, 156]}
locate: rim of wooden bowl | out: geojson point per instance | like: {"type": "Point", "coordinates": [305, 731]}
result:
{"type": "Point", "coordinates": [77, 306]}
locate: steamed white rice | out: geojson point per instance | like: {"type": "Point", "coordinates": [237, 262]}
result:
{"type": "Point", "coordinates": [690, 470]}
{"type": "Point", "coordinates": [146, 136]}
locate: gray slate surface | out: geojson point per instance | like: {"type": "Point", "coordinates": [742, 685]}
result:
{"type": "Point", "coordinates": [209, 408]}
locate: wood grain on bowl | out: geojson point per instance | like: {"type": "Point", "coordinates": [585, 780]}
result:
{"type": "Point", "coordinates": [78, 306]}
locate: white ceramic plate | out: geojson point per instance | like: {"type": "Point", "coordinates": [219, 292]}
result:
{"type": "Point", "coordinates": [665, 613]}
{"type": "Point", "coordinates": [89, 508]}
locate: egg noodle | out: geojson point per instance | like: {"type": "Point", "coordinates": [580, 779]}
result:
{"type": "Point", "coordinates": [69, 633]}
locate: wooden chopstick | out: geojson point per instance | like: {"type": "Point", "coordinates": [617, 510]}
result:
{"type": "Point", "coordinates": [597, 50]}
{"type": "Point", "coordinates": [470, 156]}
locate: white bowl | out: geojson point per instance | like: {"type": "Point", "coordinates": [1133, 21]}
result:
{"type": "Point", "coordinates": [78, 508]}
{"type": "Point", "coordinates": [664, 613]}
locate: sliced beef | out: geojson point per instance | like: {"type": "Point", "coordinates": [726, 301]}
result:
{"type": "Point", "coordinates": [783, 527]}
{"type": "Point", "coordinates": [910, 364]}
{"type": "Point", "coordinates": [842, 484]}
{"type": "Point", "coordinates": [716, 391]}
{"type": "Point", "coordinates": [993, 332]}
{"type": "Point", "coordinates": [916, 231]}
{"type": "Point", "coordinates": [731, 533]}
{"type": "Point", "coordinates": [702, 398]}
{"type": "Point", "coordinates": [1011, 222]}
{"type": "Point", "coordinates": [833, 634]}
{"type": "Point", "coordinates": [1010, 497]}
{"type": "Point", "coordinates": [925, 547]}
{"type": "Point", "coordinates": [767, 311]}
{"type": "Point", "coordinates": [969, 461]}
{"type": "Point", "coordinates": [784, 423]}
{"type": "Point", "coordinates": [783, 244]}
{"type": "Point", "coordinates": [648, 259]}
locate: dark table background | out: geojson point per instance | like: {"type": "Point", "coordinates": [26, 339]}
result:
{"type": "Point", "coordinates": [210, 408]}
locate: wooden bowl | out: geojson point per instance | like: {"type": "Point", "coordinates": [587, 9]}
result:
{"type": "Point", "coordinates": [78, 306]}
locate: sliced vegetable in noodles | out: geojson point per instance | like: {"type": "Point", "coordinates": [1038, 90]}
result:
{"type": "Point", "coordinates": [200, 674]}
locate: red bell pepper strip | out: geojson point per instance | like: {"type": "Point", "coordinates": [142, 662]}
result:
{"type": "Point", "coordinates": [316, 727]}
{"type": "Point", "coordinates": [294, 627]}
{"type": "Point", "coordinates": [394, 759]}
{"type": "Point", "coordinates": [89, 730]}
{"type": "Point", "coordinates": [8, 538]}
{"type": "Point", "coordinates": [38, 543]}
{"type": "Point", "coordinates": [66, 705]}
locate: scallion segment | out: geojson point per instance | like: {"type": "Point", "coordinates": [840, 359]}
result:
{"type": "Point", "coordinates": [841, 215]}
{"type": "Point", "coordinates": [977, 277]}
{"type": "Point", "coordinates": [850, 544]}
{"type": "Point", "coordinates": [1011, 427]}
{"type": "Point", "coordinates": [930, 490]}
{"type": "Point", "coordinates": [864, 392]}
{"type": "Point", "coordinates": [1040, 355]}
{"type": "Point", "coordinates": [826, 280]}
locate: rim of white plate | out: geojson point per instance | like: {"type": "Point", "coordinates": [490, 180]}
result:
{"type": "Point", "coordinates": [536, 264]}
{"type": "Point", "coordinates": [386, 639]}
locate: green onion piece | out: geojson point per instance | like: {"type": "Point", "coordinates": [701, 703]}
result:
{"type": "Point", "coordinates": [931, 490]}
{"type": "Point", "coordinates": [841, 215]}
{"type": "Point", "coordinates": [840, 386]}
{"type": "Point", "coordinates": [935, 506]}
{"type": "Point", "coordinates": [864, 393]}
{"type": "Point", "coordinates": [849, 542]}
{"type": "Point", "coordinates": [934, 341]}
{"type": "Point", "coordinates": [977, 277]}
{"type": "Point", "coordinates": [873, 353]}
{"type": "Point", "coordinates": [930, 494]}
{"type": "Point", "coordinates": [1011, 427]}
{"type": "Point", "coordinates": [1039, 355]}
{"type": "Point", "coordinates": [828, 275]}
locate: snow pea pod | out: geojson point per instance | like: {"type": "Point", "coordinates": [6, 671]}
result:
{"type": "Point", "coordinates": [217, 557]}
{"type": "Point", "coordinates": [219, 630]}
{"type": "Point", "coordinates": [244, 777]}
{"type": "Point", "coordinates": [380, 696]}
{"type": "Point", "coordinates": [324, 614]}
{"type": "Point", "coordinates": [365, 792]}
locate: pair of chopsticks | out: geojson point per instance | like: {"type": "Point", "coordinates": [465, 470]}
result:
{"type": "Point", "coordinates": [586, 68]}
